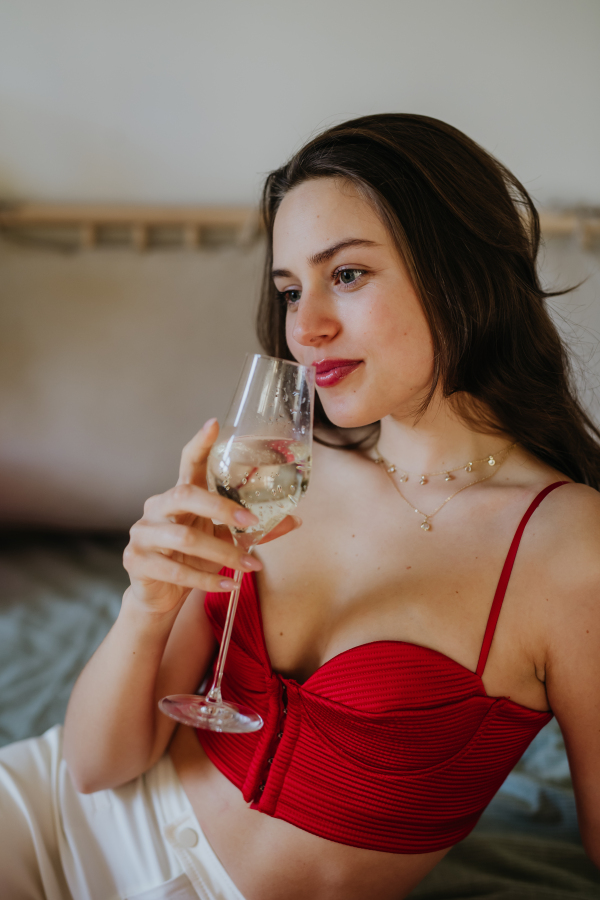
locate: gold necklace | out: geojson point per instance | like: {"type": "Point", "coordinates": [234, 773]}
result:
{"type": "Point", "coordinates": [425, 524]}
{"type": "Point", "coordinates": [491, 460]}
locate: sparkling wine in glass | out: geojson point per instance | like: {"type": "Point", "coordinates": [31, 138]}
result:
{"type": "Point", "coordinates": [262, 461]}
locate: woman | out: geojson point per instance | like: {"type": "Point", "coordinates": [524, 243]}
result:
{"type": "Point", "coordinates": [402, 264]}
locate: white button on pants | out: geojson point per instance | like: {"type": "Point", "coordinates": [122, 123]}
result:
{"type": "Point", "coordinates": [187, 837]}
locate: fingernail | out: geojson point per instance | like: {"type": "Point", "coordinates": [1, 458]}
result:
{"type": "Point", "coordinates": [245, 517]}
{"type": "Point", "coordinates": [208, 424]}
{"type": "Point", "coordinates": [249, 562]}
{"type": "Point", "coordinates": [297, 520]}
{"type": "Point", "coordinates": [227, 584]}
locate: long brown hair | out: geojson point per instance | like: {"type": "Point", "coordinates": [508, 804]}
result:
{"type": "Point", "coordinates": [469, 234]}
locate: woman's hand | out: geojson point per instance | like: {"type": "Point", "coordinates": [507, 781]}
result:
{"type": "Point", "coordinates": [162, 641]}
{"type": "Point", "coordinates": [175, 546]}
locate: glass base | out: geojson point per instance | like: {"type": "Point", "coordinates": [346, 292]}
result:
{"type": "Point", "coordinates": [202, 713]}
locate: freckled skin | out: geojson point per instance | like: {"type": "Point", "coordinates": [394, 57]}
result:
{"type": "Point", "coordinates": [378, 318]}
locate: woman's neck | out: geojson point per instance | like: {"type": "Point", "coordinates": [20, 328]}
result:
{"type": "Point", "coordinates": [440, 439]}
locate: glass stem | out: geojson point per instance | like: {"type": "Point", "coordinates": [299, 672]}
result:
{"type": "Point", "coordinates": [214, 695]}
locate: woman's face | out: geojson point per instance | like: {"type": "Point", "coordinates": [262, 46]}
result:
{"type": "Point", "coordinates": [351, 307]}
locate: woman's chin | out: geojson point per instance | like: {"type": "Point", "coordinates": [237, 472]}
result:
{"type": "Point", "coordinates": [348, 418]}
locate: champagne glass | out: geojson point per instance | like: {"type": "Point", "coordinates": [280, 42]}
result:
{"type": "Point", "coordinates": [262, 461]}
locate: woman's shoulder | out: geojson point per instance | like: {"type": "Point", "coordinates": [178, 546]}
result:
{"type": "Point", "coordinates": [566, 531]}
{"type": "Point", "coordinates": [570, 506]}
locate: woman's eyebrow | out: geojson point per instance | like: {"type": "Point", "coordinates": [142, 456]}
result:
{"type": "Point", "coordinates": [324, 255]}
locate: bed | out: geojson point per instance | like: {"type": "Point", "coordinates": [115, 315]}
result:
{"type": "Point", "coordinates": [59, 594]}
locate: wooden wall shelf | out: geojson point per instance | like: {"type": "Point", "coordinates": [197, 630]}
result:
{"type": "Point", "coordinates": [144, 227]}
{"type": "Point", "coordinates": [140, 227]}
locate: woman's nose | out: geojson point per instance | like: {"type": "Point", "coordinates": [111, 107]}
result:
{"type": "Point", "coordinates": [314, 321]}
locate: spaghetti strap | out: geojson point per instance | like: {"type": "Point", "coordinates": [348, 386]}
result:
{"type": "Point", "coordinates": [505, 577]}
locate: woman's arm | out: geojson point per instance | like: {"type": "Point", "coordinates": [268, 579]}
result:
{"type": "Point", "coordinates": [113, 728]}
{"type": "Point", "coordinates": [573, 661]}
{"type": "Point", "coordinates": [161, 642]}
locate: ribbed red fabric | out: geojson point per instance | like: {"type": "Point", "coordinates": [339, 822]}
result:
{"type": "Point", "coordinates": [387, 746]}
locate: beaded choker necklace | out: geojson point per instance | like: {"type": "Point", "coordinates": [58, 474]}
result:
{"type": "Point", "coordinates": [494, 460]}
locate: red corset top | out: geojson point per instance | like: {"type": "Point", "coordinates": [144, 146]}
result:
{"type": "Point", "coordinates": [387, 746]}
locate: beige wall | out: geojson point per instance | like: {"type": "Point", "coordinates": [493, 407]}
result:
{"type": "Point", "coordinates": [110, 361]}
{"type": "Point", "coordinates": [192, 100]}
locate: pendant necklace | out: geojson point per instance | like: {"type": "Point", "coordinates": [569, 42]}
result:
{"type": "Point", "coordinates": [492, 460]}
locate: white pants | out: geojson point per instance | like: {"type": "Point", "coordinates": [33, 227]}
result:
{"type": "Point", "coordinates": [141, 841]}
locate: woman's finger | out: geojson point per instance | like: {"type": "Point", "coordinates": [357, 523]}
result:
{"type": "Point", "coordinates": [195, 453]}
{"type": "Point", "coordinates": [165, 569]}
{"type": "Point", "coordinates": [189, 498]}
{"type": "Point", "coordinates": [166, 537]}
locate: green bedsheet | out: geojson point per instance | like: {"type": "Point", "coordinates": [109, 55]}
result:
{"type": "Point", "coordinates": [518, 867]}
{"type": "Point", "coordinates": [59, 595]}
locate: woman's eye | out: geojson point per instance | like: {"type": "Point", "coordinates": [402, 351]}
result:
{"type": "Point", "coordinates": [289, 297]}
{"type": "Point", "coordinates": [349, 276]}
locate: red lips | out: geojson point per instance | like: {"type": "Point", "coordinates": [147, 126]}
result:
{"type": "Point", "coordinates": [332, 371]}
